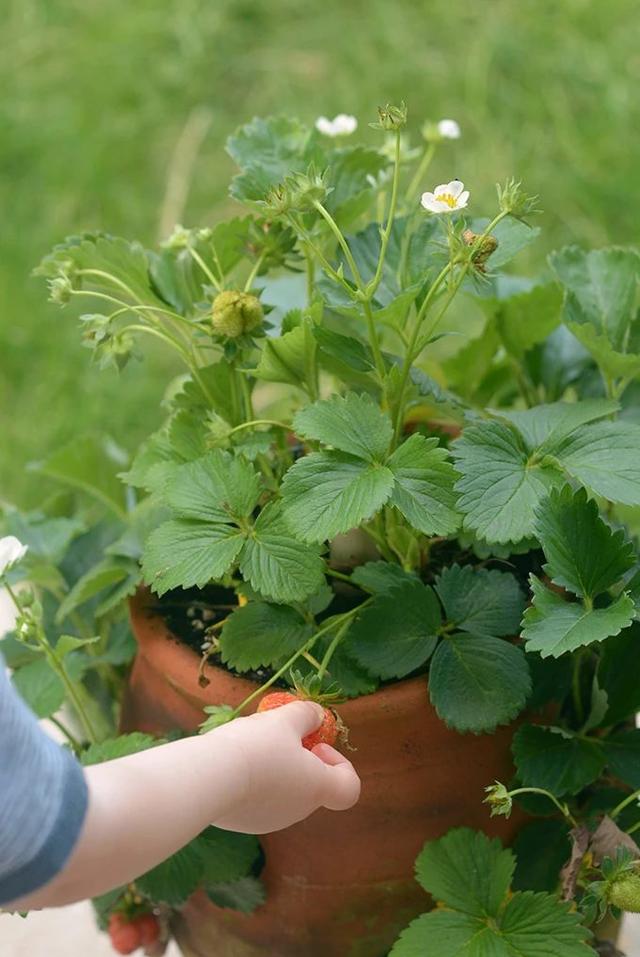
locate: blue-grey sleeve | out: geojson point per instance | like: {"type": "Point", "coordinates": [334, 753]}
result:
{"type": "Point", "coordinates": [43, 799]}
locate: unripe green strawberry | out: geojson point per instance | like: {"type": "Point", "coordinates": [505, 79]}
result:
{"type": "Point", "coordinates": [235, 313]}
{"type": "Point", "coordinates": [625, 892]}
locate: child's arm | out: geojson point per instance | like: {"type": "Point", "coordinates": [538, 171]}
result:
{"type": "Point", "coordinates": [251, 775]}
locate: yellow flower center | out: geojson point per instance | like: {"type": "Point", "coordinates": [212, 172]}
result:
{"type": "Point", "coordinates": [447, 198]}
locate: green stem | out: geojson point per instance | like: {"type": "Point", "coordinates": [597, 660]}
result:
{"type": "Point", "coordinates": [73, 741]}
{"type": "Point", "coordinates": [576, 687]}
{"type": "Point", "coordinates": [111, 278]}
{"type": "Point", "coordinates": [254, 422]}
{"type": "Point", "coordinates": [374, 341]}
{"type": "Point", "coordinates": [335, 641]}
{"type": "Point", "coordinates": [57, 666]}
{"type": "Point", "coordinates": [386, 234]}
{"type": "Point", "coordinates": [564, 810]}
{"type": "Point", "coordinates": [632, 830]}
{"type": "Point", "coordinates": [623, 804]}
{"type": "Point", "coordinates": [195, 255]}
{"type": "Point", "coordinates": [324, 262]}
{"type": "Point", "coordinates": [310, 276]}
{"type": "Point", "coordinates": [342, 242]}
{"type": "Point", "coordinates": [423, 166]}
{"type": "Point", "coordinates": [335, 622]}
{"type": "Point", "coordinates": [254, 272]}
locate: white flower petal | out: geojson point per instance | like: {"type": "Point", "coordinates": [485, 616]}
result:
{"type": "Point", "coordinates": [463, 199]}
{"type": "Point", "coordinates": [455, 187]}
{"type": "Point", "coordinates": [433, 204]}
{"type": "Point", "coordinates": [345, 124]}
{"type": "Point", "coordinates": [11, 551]}
{"type": "Point", "coordinates": [442, 189]}
{"type": "Point", "coordinates": [324, 125]}
{"type": "Point", "coordinates": [449, 129]}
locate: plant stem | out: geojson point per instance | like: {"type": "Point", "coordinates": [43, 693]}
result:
{"type": "Point", "coordinates": [310, 276]}
{"type": "Point", "coordinates": [564, 810]}
{"type": "Point", "coordinates": [57, 666]}
{"type": "Point", "coordinates": [254, 272]}
{"type": "Point", "coordinates": [420, 172]}
{"type": "Point", "coordinates": [253, 422]}
{"type": "Point", "coordinates": [195, 255]}
{"type": "Point", "coordinates": [576, 688]}
{"type": "Point", "coordinates": [335, 622]}
{"type": "Point", "coordinates": [374, 341]}
{"type": "Point", "coordinates": [335, 641]}
{"type": "Point", "coordinates": [623, 804]}
{"type": "Point", "coordinates": [73, 741]}
{"type": "Point", "coordinates": [386, 233]}
{"type": "Point", "coordinates": [342, 242]}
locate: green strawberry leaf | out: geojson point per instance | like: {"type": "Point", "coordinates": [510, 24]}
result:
{"type": "Point", "coordinates": [278, 566]}
{"type": "Point", "coordinates": [352, 175]}
{"type": "Point", "coordinates": [326, 493]}
{"type": "Point", "coordinates": [289, 358]}
{"type": "Point", "coordinates": [423, 489]}
{"type": "Point", "coordinates": [499, 488]}
{"type": "Point", "coordinates": [351, 423]}
{"type": "Point", "coordinates": [380, 576]}
{"type": "Point", "coordinates": [544, 427]}
{"type": "Point", "coordinates": [105, 575]}
{"type": "Point", "coordinates": [259, 634]}
{"type": "Point", "coordinates": [526, 318]}
{"type": "Point", "coordinates": [617, 674]}
{"type": "Point", "coordinates": [583, 553]}
{"type": "Point", "coordinates": [600, 290]}
{"type": "Point", "coordinates": [623, 756]}
{"type": "Point", "coordinates": [466, 871]}
{"type": "Point", "coordinates": [343, 349]}
{"type": "Point", "coordinates": [605, 457]}
{"type": "Point", "coordinates": [542, 848]}
{"type": "Point", "coordinates": [119, 747]}
{"type": "Point", "coordinates": [185, 552]}
{"type": "Point", "coordinates": [244, 895]}
{"type": "Point", "coordinates": [556, 760]}
{"type": "Point", "coordinates": [91, 464]}
{"type": "Point", "coordinates": [553, 626]}
{"type": "Point", "coordinates": [173, 881]}
{"type": "Point", "coordinates": [397, 632]}
{"type": "Point", "coordinates": [477, 683]}
{"type": "Point", "coordinates": [39, 687]}
{"type": "Point", "coordinates": [214, 488]}
{"type": "Point", "coordinates": [481, 601]}
{"type": "Point", "coordinates": [226, 855]}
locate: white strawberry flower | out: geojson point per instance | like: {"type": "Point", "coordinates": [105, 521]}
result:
{"type": "Point", "coordinates": [449, 130]}
{"type": "Point", "coordinates": [446, 198]}
{"type": "Point", "coordinates": [340, 125]}
{"type": "Point", "coordinates": [11, 551]}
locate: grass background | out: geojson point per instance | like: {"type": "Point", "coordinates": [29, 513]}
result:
{"type": "Point", "coordinates": [96, 96]}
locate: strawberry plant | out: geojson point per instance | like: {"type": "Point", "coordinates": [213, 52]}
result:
{"type": "Point", "coordinates": [396, 456]}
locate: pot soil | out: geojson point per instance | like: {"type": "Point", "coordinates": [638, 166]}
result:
{"type": "Point", "coordinates": [338, 884]}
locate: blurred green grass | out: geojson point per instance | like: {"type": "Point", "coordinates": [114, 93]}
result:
{"type": "Point", "coordinates": [95, 96]}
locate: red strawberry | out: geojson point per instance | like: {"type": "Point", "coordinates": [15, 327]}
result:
{"type": "Point", "coordinates": [148, 928]}
{"type": "Point", "coordinates": [327, 733]}
{"type": "Point", "coordinates": [125, 936]}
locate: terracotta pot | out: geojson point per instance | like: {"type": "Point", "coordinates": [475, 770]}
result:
{"type": "Point", "coordinates": [338, 884]}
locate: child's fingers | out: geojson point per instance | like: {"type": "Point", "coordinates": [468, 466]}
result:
{"type": "Point", "coordinates": [303, 717]}
{"type": "Point", "coordinates": [342, 784]}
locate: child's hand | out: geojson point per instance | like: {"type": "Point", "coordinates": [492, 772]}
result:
{"type": "Point", "coordinates": [283, 782]}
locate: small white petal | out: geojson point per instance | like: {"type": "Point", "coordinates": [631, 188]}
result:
{"type": "Point", "coordinates": [433, 204]}
{"type": "Point", "coordinates": [442, 189]}
{"type": "Point", "coordinates": [449, 129]}
{"type": "Point", "coordinates": [11, 551]}
{"type": "Point", "coordinates": [324, 125]}
{"type": "Point", "coordinates": [345, 124]}
{"type": "Point", "coordinates": [463, 199]}
{"type": "Point", "coordinates": [455, 187]}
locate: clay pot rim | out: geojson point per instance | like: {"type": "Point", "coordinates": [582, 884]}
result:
{"type": "Point", "coordinates": [168, 653]}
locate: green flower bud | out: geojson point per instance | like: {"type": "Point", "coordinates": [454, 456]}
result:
{"type": "Point", "coordinates": [498, 799]}
{"type": "Point", "coordinates": [180, 238]}
{"type": "Point", "coordinates": [235, 313]}
{"type": "Point", "coordinates": [391, 118]}
{"type": "Point", "coordinates": [512, 199]}
{"type": "Point", "coordinates": [624, 892]}
{"type": "Point", "coordinates": [60, 290]}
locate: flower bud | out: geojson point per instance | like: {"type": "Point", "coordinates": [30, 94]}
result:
{"type": "Point", "coordinates": [498, 799]}
{"type": "Point", "coordinates": [512, 199]}
{"type": "Point", "coordinates": [480, 255]}
{"type": "Point", "coordinates": [391, 118]}
{"type": "Point", "coordinates": [60, 290]}
{"type": "Point", "coordinates": [180, 238]}
{"type": "Point", "coordinates": [235, 313]}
